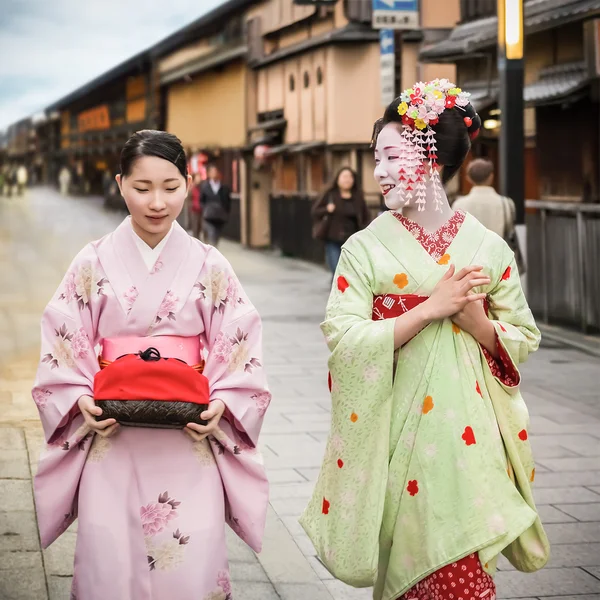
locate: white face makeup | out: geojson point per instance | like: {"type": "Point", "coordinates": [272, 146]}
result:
{"type": "Point", "coordinates": [387, 165]}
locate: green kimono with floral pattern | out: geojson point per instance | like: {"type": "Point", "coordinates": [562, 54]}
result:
{"type": "Point", "coordinates": [428, 458]}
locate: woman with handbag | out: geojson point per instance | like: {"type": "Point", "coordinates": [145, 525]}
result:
{"type": "Point", "coordinates": [339, 213]}
{"type": "Point", "coordinates": [152, 445]}
{"type": "Point", "coordinates": [428, 470]}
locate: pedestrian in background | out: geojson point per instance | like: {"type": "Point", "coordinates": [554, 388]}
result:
{"type": "Point", "coordinates": [215, 202]}
{"type": "Point", "coordinates": [64, 180]}
{"type": "Point", "coordinates": [195, 206]}
{"type": "Point", "coordinates": [339, 213]}
{"type": "Point", "coordinates": [152, 503]}
{"type": "Point", "coordinates": [22, 177]}
{"type": "Point", "coordinates": [495, 212]}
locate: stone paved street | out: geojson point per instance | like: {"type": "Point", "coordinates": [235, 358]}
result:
{"type": "Point", "coordinates": [38, 237]}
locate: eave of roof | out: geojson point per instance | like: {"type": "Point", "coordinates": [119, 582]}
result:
{"type": "Point", "coordinates": [481, 34]}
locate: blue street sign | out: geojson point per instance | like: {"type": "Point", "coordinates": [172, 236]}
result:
{"type": "Point", "coordinates": [386, 41]}
{"type": "Point", "coordinates": [395, 14]}
{"type": "Point", "coordinates": [387, 68]}
{"type": "Point", "coordinates": [396, 5]}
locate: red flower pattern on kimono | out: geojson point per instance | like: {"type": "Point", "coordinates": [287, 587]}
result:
{"type": "Point", "coordinates": [465, 579]}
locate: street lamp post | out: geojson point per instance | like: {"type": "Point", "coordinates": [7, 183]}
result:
{"type": "Point", "coordinates": [512, 131]}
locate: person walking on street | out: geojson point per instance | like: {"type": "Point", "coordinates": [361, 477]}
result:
{"type": "Point", "coordinates": [22, 177]}
{"type": "Point", "coordinates": [495, 212]}
{"type": "Point", "coordinates": [339, 213]}
{"type": "Point", "coordinates": [195, 206]}
{"type": "Point", "coordinates": [215, 202]}
{"type": "Point", "coordinates": [64, 180]}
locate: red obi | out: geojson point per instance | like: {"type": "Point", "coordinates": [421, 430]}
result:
{"type": "Point", "coordinates": [147, 390]}
{"type": "Point", "coordinates": [166, 379]}
{"type": "Point", "coordinates": [389, 306]}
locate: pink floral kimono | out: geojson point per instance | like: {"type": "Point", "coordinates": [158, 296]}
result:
{"type": "Point", "coordinates": [151, 503]}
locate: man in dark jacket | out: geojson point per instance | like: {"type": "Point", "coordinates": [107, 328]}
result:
{"type": "Point", "coordinates": [215, 199]}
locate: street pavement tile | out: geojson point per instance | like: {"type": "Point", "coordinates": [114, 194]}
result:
{"type": "Point", "coordinates": [582, 512]}
{"type": "Point", "coordinates": [565, 495]}
{"type": "Point", "coordinates": [578, 597]}
{"type": "Point", "coordinates": [292, 507]}
{"type": "Point", "coordinates": [11, 438]}
{"type": "Point", "coordinates": [584, 445]}
{"type": "Point", "coordinates": [543, 426]}
{"type": "Point", "coordinates": [305, 545]}
{"type": "Point", "coordinates": [546, 582]}
{"type": "Point", "coordinates": [299, 591]}
{"type": "Point", "coordinates": [544, 448]}
{"type": "Point", "coordinates": [294, 445]}
{"type": "Point", "coordinates": [572, 533]}
{"type": "Point", "coordinates": [18, 531]}
{"type": "Point", "coordinates": [595, 571]}
{"type": "Point", "coordinates": [570, 464]}
{"type": "Point", "coordinates": [16, 494]}
{"type": "Point", "coordinates": [59, 588]}
{"type": "Point", "coordinates": [566, 479]}
{"type": "Point", "coordinates": [14, 464]}
{"type": "Point", "coordinates": [237, 550]}
{"type": "Point", "coordinates": [59, 557]}
{"type": "Point", "coordinates": [247, 571]}
{"type": "Point", "coordinates": [565, 555]}
{"type": "Point", "coordinates": [277, 476]}
{"type": "Point", "coordinates": [340, 591]}
{"type": "Point", "coordinates": [310, 474]}
{"type": "Point", "coordinates": [287, 462]}
{"type": "Point", "coordinates": [550, 514]}
{"type": "Point", "coordinates": [22, 576]}
{"type": "Point", "coordinates": [319, 425]}
{"type": "Point", "coordinates": [595, 489]}
{"type": "Point", "coordinates": [319, 568]}
{"type": "Point", "coordinates": [293, 526]}
{"type": "Point", "coordinates": [253, 591]}
{"type": "Point", "coordinates": [291, 490]}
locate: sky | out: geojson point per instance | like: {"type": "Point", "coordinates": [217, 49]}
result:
{"type": "Point", "coordinates": [50, 48]}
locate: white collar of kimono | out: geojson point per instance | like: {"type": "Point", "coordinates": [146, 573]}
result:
{"type": "Point", "coordinates": [150, 255]}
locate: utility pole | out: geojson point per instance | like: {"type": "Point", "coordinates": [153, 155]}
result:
{"type": "Point", "coordinates": [512, 130]}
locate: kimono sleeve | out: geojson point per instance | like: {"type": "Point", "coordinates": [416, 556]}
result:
{"type": "Point", "coordinates": [234, 366]}
{"type": "Point", "coordinates": [354, 339]}
{"type": "Point", "coordinates": [67, 366]}
{"type": "Point", "coordinates": [515, 326]}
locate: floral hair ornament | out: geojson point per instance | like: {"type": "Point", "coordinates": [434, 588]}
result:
{"type": "Point", "coordinates": [420, 109]}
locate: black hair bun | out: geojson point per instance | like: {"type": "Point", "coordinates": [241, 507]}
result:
{"type": "Point", "coordinates": [472, 121]}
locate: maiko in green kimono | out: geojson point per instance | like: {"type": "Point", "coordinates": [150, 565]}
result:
{"type": "Point", "coordinates": [428, 469]}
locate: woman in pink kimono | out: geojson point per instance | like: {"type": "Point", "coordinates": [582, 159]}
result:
{"type": "Point", "coordinates": [151, 503]}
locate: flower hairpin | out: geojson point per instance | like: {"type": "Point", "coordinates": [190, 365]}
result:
{"type": "Point", "coordinates": [420, 109]}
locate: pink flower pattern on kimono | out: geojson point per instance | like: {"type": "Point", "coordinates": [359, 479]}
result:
{"type": "Point", "coordinates": [169, 554]}
{"type": "Point", "coordinates": [62, 353]}
{"type": "Point", "coordinates": [158, 265]}
{"type": "Point", "coordinates": [239, 357]}
{"type": "Point", "coordinates": [223, 589]}
{"type": "Point", "coordinates": [262, 399]}
{"type": "Point", "coordinates": [156, 515]}
{"type": "Point", "coordinates": [167, 307]}
{"type": "Point", "coordinates": [80, 344]}
{"type": "Point", "coordinates": [221, 289]}
{"type": "Point", "coordinates": [79, 285]}
{"type": "Point", "coordinates": [40, 397]}
{"type": "Point", "coordinates": [223, 347]}
{"type": "Point", "coordinates": [131, 296]}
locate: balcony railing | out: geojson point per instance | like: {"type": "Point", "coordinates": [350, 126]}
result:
{"type": "Point", "coordinates": [563, 256]}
